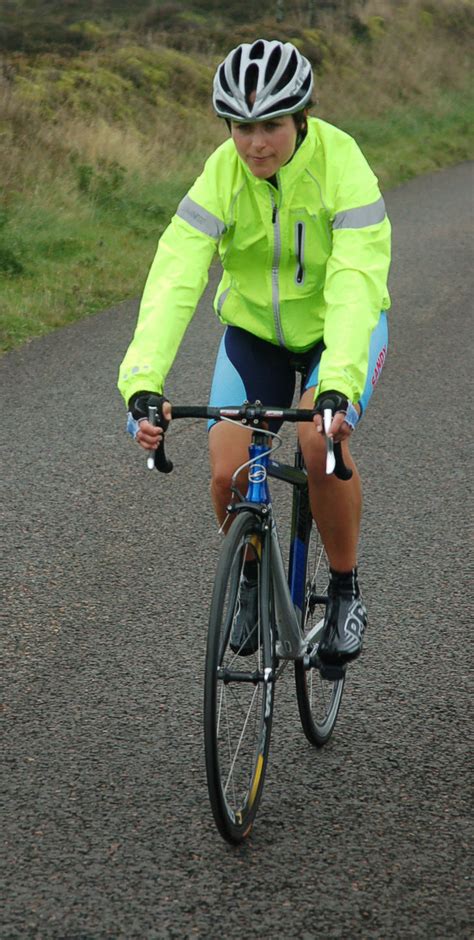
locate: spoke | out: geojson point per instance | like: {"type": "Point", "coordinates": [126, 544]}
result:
{"type": "Point", "coordinates": [235, 697]}
{"type": "Point", "coordinates": [230, 752]}
{"type": "Point", "coordinates": [219, 709]}
{"type": "Point", "coordinates": [240, 740]}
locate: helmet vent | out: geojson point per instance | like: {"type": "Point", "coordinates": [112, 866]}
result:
{"type": "Point", "coordinates": [224, 106]}
{"type": "Point", "coordinates": [224, 83]}
{"type": "Point", "coordinates": [258, 50]}
{"type": "Point", "coordinates": [251, 79]}
{"type": "Point", "coordinates": [236, 59]}
{"type": "Point", "coordinates": [288, 73]}
{"type": "Point", "coordinates": [287, 105]}
{"type": "Point", "coordinates": [274, 60]}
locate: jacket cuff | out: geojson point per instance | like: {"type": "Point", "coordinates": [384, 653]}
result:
{"type": "Point", "coordinates": [138, 384]}
{"type": "Point", "coordinates": [329, 385]}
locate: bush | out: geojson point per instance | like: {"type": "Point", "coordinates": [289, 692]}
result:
{"type": "Point", "coordinates": [10, 264]}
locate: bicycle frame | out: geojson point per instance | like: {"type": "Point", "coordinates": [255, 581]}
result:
{"type": "Point", "coordinates": [279, 619]}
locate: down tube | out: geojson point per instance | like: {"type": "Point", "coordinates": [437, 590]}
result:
{"type": "Point", "coordinates": [300, 533]}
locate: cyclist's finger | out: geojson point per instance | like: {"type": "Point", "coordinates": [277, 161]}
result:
{"type": "Point", "coordinates": [342, 436]}
{"type": "Point", "coordinates": [337, 425]}
{"type": "Point", "coordinates": [339, 429]}
{"type": "Point", "coordinates": [148, 445]}
{"type": "Point", "coordinates": [318, 423]}
{"type": "Point", "coordinates": [149, 436]}
{"type": "Point", "coordinates": [150, 430]}
{"type": "Point", "coordinates": [343, 433]}
{"type": "Point", "coordinates": [167, 411]}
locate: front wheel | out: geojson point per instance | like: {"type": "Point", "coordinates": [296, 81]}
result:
{"type": "Point", "coordinates": [319, 699]}
{"type": "Point", "coordinates": [239, 685]}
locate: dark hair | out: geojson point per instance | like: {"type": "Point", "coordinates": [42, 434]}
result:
{"type": "Point", "coordinates": [300, 119]}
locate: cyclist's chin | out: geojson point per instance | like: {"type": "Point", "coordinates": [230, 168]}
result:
{"type": "Point", "coordinates": [262, 168]}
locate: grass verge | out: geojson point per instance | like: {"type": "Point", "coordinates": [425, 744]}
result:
{"type": "Point", "coordinates": [70, 253]}
{"type": "Point", "coordinates": [64, 258]}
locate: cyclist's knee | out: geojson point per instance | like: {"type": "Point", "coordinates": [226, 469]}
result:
{"type": "Point", "coordinates": [228, 450]}
{"type": "Point", "coordinates": [221, 477]}
{"type": "Point", "coordinates": [313, 446]}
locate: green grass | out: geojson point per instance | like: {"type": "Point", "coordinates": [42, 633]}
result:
{"type": "Point", "coordinates": [84, 241]}
{"type": "Point", "coordinates": [409, 140]}
{"type": "Point", "coordinates": [61, 260]}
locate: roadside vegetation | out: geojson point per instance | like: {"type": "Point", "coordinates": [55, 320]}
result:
{"type": "Point", "coordinates": [105, 119]}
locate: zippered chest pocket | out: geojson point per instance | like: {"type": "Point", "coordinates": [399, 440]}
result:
{"type": "Point", "coordinates": [308, 249]}
{"type": "Point", "coordinates": [300, 237]}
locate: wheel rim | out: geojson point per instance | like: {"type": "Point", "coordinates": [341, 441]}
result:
{"type": "Point", "coordinates": [241, 705]}
{"type": "Point", "coordinates": [323, 696]}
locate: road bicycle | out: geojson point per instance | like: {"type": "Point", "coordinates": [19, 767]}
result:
{"type": "Point", "coordinates": [240, 689]}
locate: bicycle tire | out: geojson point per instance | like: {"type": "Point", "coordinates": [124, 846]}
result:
{"type": "Point", "coordinates": [319, 699]}
{"type": "Point", "coordinates": [237, 711]}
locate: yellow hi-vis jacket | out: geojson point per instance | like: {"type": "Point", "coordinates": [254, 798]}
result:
{"type": "Point", "coordinates": [302, 262]}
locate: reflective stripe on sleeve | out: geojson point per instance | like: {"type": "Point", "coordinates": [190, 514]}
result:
{"type": "Point", "coordinates": [361, 215]}
{"type": "Point", "coordinates": [200, 218]}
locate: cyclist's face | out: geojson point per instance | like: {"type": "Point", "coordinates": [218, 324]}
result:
{"type": "Point", "coordinates": [265, 146]}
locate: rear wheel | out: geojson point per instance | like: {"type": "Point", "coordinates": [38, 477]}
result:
{"type": "Point", "coordinates": [238, 702]}
{"type": "Point", "coordinates": [318, 698]}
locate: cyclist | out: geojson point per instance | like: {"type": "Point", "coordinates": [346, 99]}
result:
{"type": "Point", "coordinates": [304, 240]}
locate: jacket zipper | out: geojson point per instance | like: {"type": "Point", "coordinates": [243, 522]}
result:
{"type": "Point", "coordinates": [299, 249]}
{"type": "Point", "coordinates": [275, 272]}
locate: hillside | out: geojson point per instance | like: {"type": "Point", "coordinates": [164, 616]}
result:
{"type": "Point", "coordinates": [105, 118]}
{"type": "Point", "coordinates": [44, 25]}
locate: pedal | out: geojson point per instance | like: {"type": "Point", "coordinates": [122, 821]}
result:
{"type": "Point", "coordinates": [331, 672]}
{"type": "Point", "coordinates": [328, 671]}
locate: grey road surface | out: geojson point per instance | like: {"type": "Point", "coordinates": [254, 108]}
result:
{"type": "Point", "coordinates": [107, 569]}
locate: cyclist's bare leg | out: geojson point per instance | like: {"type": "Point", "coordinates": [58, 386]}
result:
{"type": "Point", "coordinates": [336, 504]}
{"type": "Point", "coordinates": [228, 449]}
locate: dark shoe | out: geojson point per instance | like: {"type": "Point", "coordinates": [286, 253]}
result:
{"type": "Point", "coordinates": [343, 631]}
{"type": "Point", "coordinates": [244, 635]}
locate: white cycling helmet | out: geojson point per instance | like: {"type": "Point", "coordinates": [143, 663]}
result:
{"type": "Point", "coordinates": [279, 75]}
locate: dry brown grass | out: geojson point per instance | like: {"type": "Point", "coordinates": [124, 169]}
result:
{"type": "Point", "coordinates": [410, 50]}
{"type": "Point", "coordinates": [408, 56]}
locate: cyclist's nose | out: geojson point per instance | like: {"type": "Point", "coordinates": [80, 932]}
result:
{"type": "Point", "coordinates": [258, 140]}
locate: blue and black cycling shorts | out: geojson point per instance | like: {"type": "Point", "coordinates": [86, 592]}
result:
{"type": "Point", "coordinates": [250, 369]}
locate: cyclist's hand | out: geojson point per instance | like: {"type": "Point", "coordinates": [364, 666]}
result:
{"type": "Point", "coordinates": [344, 418]}
{"type": "Point", "coordinates": [339, 430]}
{"type": "Point", "coordinates": [146, 434]}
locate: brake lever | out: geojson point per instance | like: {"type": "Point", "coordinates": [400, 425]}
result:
{"type": "Point", "coordinates": [330, 457]}
{"type": "Point", "coordinates": [152, 413]}
{"type": "Point", "coordinates": [334, 459]}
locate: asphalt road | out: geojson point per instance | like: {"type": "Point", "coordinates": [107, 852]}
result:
{"type": "Point", "coordinates": [107, 830]}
